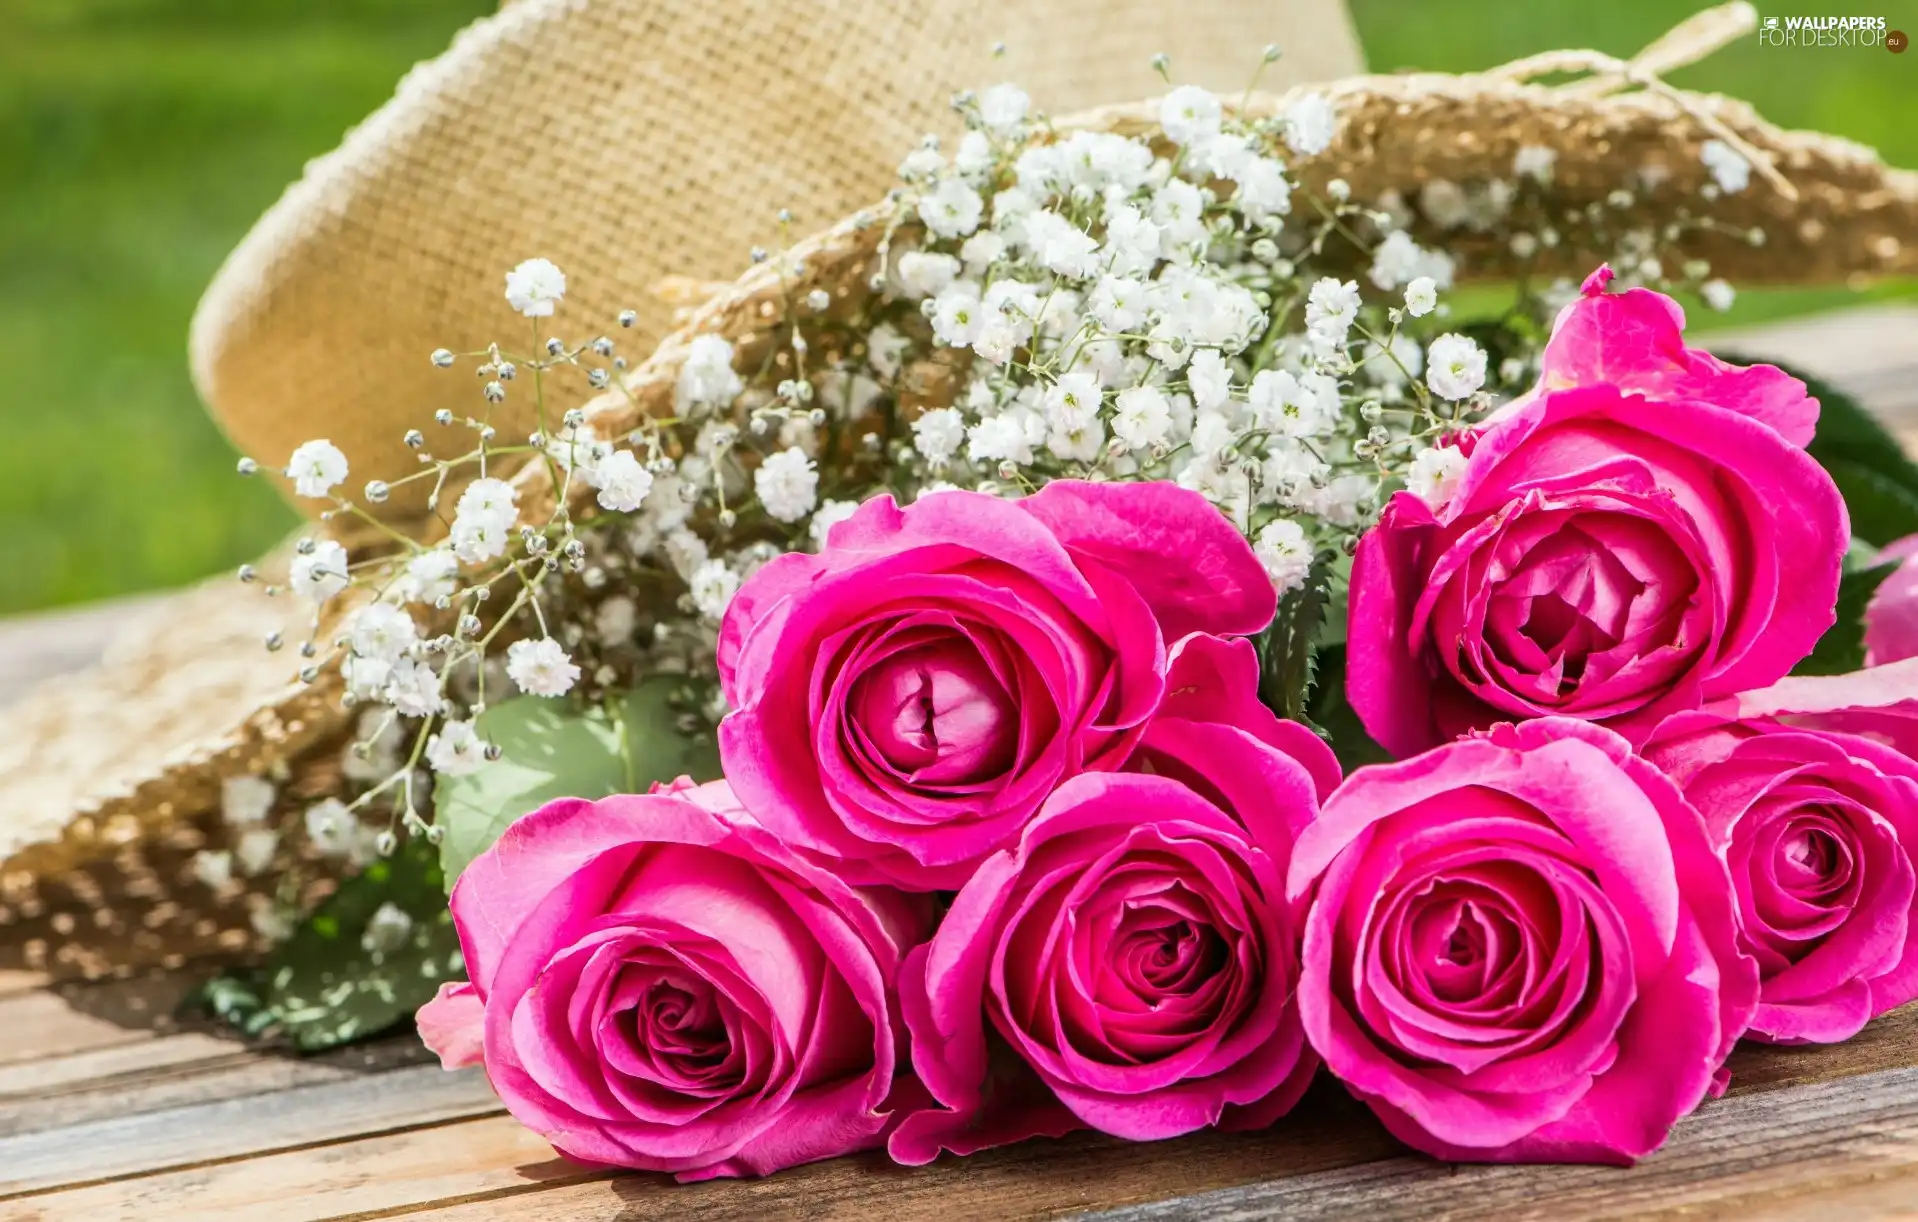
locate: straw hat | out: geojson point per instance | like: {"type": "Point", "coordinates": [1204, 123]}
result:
{"type": "Point", "coordinates": [94, 839]}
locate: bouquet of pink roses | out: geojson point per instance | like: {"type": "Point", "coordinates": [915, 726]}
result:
{"type": "Point", "coordinates": [1009, 844]}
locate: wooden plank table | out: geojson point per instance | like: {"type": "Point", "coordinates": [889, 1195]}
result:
{"type": "Point", "coordinates": [111, 1108]}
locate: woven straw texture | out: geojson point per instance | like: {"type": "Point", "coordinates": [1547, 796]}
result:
{"type": "Point", "coordinates": [110, 781]}
{"type": "Point", "coordinates": [1839, 212]}
{"type": "Point", "coordinates": [100, 813]}
{"type": "Point", "coordinates": [627, 140]}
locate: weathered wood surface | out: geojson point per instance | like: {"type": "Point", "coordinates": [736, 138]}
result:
{"type": "Point", "coordinates": [111, 1110]}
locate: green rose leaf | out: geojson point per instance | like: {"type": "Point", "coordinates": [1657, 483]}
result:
{"type": "Point", "coordinates": [345, 975]}
{"type": "Point", "coordinates": [1335, 719]}
{"type": "Point", "coordinates": [1877, 479]}
{"type": "Point", "coordinates": [551, 749]}
{"type": "Point", "coordinates": [1287, 649]}
{"type": "Point", "coordinates": [1842, 649]}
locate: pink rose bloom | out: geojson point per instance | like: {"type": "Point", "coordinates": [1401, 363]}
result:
{"type": "Point", "coordinates": [1818, 827]}
{"type": "Point", "coordinates": [1130, 963]}
{"type": "Point", "coordinates": [1635, 340]}
{"type": "Point", "coordinates": [1879, 703]}
{"type": "Point", "coordinates": [1891, 618]}
{"type": "Point", "coordinates": [1633, 538]}
{"type": "Point", "coordinates": [1520, 947]}
{"type": "Point", "coordinates": [905, 700]}
{"type": "Point", "coordinates": [659, 983]}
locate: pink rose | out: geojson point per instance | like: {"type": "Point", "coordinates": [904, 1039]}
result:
{"type": "Point", "coordinates": [1818, 828]}
{"type": "Point", "coordinates": [1608, 556]}
{"type": "Point", "coordinates": [1635, 340]}
{"type": "Point", "coordinates": [1130, 963]}
{"type": "Point", "coordinates": [1520, 947]}
{"type": "Point", "coordinates": [659, 983]}
{"type": "Point", "coordinates": [1879, 703]}
{"type": "Point", "coordinates": [906, 699]}
{"type": "Point", "coordinates": [1891, 618]}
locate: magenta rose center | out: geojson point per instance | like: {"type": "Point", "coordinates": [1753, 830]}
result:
{"type": "Point", "coordinates": [1809, 877]}
{"type": "Point", "coordinates": [1586, 608]}
{"type": "Point", "coordinates": [676, 1029]}
{"type": "Point", "coordinates": [937, 714]}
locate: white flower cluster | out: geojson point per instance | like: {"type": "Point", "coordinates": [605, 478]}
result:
{"type": "Point", "coordinates": [1141, 309]}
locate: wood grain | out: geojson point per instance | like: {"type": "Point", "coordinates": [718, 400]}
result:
{"type": "Point", "coordinates": [1803, 1144]}
{"type": "Point", "coordinates": [236, 1128]}
{"type": "Point", "coordinates": [175, 1072]}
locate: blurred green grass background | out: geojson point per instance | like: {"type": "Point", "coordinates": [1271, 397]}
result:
{"type": "Point", "coordinates": [139, 139]}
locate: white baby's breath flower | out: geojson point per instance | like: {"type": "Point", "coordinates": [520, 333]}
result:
{"type": "Point", "coordinates": [1535, 161]}
{"type": "Point", "coordinates": [1421, 297]}
{"type": "Point", "coordinates": [381, 631]}
{"type": "Point", "coordinates": [245, 800]}
{"type": "Point", "coordinates": [320, 573]}
{"type": "Point", "coordinates": [1399, 261]}
{"type": "Point", "coordinates": [365, 678]}
{"type": "Point", "coordinates": [1310, 125]}
{"type": "Point", "coordinates": [1282, 548]}
{"type": "Point", "coordinates": [684, 550]}
{"type": "Point", "coordinates": [1340, 500]}
{"type": "Point", "coordinates": [254, 850]}
{"type": "Point", "coordinates": [1718, 294]}
{"type": "Point", "coordinates": [952, 209]}
{"type": "Point", "coordinates": [1119, 304]}
{"type": "Point", "coordinates": [1727, 165]}
{"type": "Point", "coordinates": [937, 434]}
{"type": "Point", "coordinates": [535, 287]}
{"type": "Point", "coordinates": [885, 349]}
{"type": "Point", "coordinates": [1264, 191]}
{"type": "Point", "coordinates": [413, 688]}
{"type": "Point", "coordinates": [1209, 378]}
{"type": "Point", "coordinates": [213, 869]}
{"type": "Point", "coordinates": [316, 468]}
{"type": "Point", "coordinates": [1180, 211]}
{"type": "Point", "coordinates": [1141, 417]}
{"type": "Point", "coordinates": [455, 749]}
{"type": "Point", "coordinates": [926, 273]}
{"type": "Point", "coordinates": [713, 585]}
{"type": "Point", "coordinates": [428, 577]}
{"type": "Point", "coordinates": [974, 155]}
{"type": "Point", "coordinates": [541, 667]}
{"type": "Point", "coordinates": [1000, 438]}
{"type": "Point", "coordinates": [489, 500]}
{"type": "Point", "coordinates": [1330, 309]}
{"type": "Point", "coordinates": [1444, 203]}
{"type": "Point", "coordinates": [623, 482]}
{"type": "Point", "coordinates": [1061, 247]}
{"type": "Point", "coordinates": [981, 251]}
{"type": "Point", "coordinates": [787, 485]}
{"type": "Point", "coordinates": [1189, 114]}
{"type": "Point", "coordinates": [957, 315]}
{"type": "Point", "coordinates": [1435, 475]}
{"type": "Point", "coordinates": [615, 620]}
{"type": "Point", "coordinates": [381, 733]}
{"type": "Point", "coordinates": [1002, 108]}
{"type": "Point", "coordinates": [478, 539]}
{"type": "Point", "coordinates": [386, 930]}
{"type": "Point", "coordinates": [336, 831]}
{"type": "Point", "coordinates": [828, 515]}
{"type": "Point", "coordinates": [707, 379]}
{"type": "Point", "coordinates": [1072, 415]}
{"type": "Point", "coordinates": [1454, 366]}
